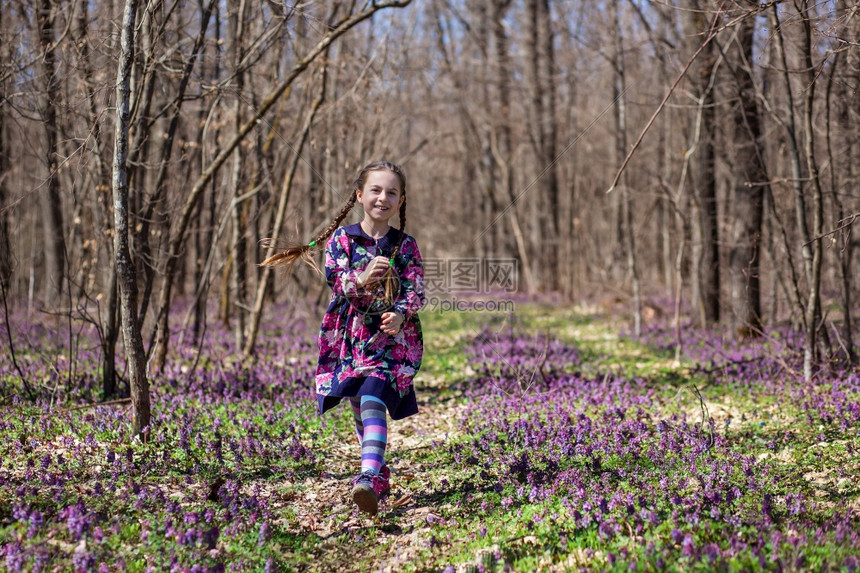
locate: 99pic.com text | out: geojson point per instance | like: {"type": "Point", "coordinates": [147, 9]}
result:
{"type": "Point", "coordinates": [454, 304]}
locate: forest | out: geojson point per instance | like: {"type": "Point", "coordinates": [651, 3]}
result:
{"type": "Point", "coordinates": [678, 177]}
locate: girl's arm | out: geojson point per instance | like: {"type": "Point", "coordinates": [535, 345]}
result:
{"type": "Point", "coordinates": [411, 297]}
{"type": "Point", "coordinates": [341, 277]}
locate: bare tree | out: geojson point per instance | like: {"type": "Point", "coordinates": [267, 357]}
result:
{"type": "Point", "coordinates": [544, 135]}
{"type": "Point", "coordinates": [127, 275]}
{"type": "Point", "coordinates": [813, 305]}
{"type": "Point", "coordinates": [102, 188]}
{"type": "Point", "coordinates": [842, 172]}
{"type": "Point", "coordinates": [504, 156]}
{"type": "Point", "coordinates": [810, 248]}
{"type": "Point", "coordinates": [705, 254]}
{"type": "Point", "coordinates": [842, 223]}
{"type": "Point", "coordinates": [619, 97]}
{"type": "Point", "coordinates": [52, 206]}
{"type": "Point", "coordinates": [159, 197]}
{"type": "Point", "coordinates": [750, 181]}
{"type": "Point", "coordinates": [239, 210]}
{"type": "Point", "coordinates": [6, 263]}
{"type": "Point", "coordinates": [205, 236]}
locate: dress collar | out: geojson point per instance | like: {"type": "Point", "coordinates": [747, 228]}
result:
{"type": "Point", "coordinates": [355, 230]}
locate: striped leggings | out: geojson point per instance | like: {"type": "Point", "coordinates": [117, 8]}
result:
{"type": "Point", "coordinates": [371, 427]}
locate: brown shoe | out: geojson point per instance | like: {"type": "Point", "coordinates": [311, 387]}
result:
{"type": "Point", "coordinates": [366, 489]}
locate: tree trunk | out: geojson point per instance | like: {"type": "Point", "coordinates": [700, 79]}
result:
{"type": "Point", "coordinates": [144, 84]}
{"type": "Point", "coordinates": [110, 335]}
{"type": "Point", "coordinates": [848, 98]}
{"type": "Point", "coordinates": [541, 57]}
{"type": "Point", "coordinates": [52, 212]}
{"type": "Point", "coordinates": [813, 305]}
{"type": "Point", "coordinates": [619, 89]}
{"type": "Point", "coordinates": [750, 180]}
{"type": "Point", "coordinates": [141, 137]}
{"type": "Point", "coordinates": [665, 159]}
{"type": "Point", "coordinates": [572, 220]}
{"type": "Point", "coordinates": [238, 244]}
{"type": "Point", "coordinates": [504, 154]}
{"type": "Point", "coordinates": [549, 134]}
{"type": "Point", "coordinates": [209, 235]}
{"type": "Point", "coordinates": [126, 272]}
{"type": "Point", "coordinates": [842, 238]}
{"type": "Point", "coordinates": [486, 170]}
{"type": "Point", "coordinates": [806, 247]}
{"type": "Point", "coordinates": [5, 246]}
{"type": "Point", "coordinates": [110, 328]}
{"type": "Point", "coordinates": [705, 253]}
{"type": "Point", "coordinates": [681, 224]}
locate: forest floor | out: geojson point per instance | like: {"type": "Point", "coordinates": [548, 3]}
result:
{"type": "Point", "coordinates": [547, 439]}
{"type": "Point", "coordinates": [425, 492]}
{"type": "Point", "coordinates": [422, 491]}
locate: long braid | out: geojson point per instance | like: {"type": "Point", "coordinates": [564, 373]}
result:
{"type": "Point", "coordinates": [336, 221]}
{"type": "Point", "coordinates": [392, 286]}
{"type": "Point", "coordinates": [291, 254]}
{"type": "Point", "coordinates": [402, 228]}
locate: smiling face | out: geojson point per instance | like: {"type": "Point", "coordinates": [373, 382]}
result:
{"type": "Point", "coordinates": [380, 197]}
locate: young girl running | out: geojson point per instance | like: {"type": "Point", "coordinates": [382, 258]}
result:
{"type": "Point", "coordinates": [370, 340]}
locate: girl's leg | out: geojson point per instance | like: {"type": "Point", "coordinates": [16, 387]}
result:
{"type": "Point", "coordinates": [356, 415]}
{"type": "Point", "coordinates": [375, 436]}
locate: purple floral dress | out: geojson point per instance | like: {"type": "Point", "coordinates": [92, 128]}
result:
{"type": "Point", "coordinates": [356, 358]}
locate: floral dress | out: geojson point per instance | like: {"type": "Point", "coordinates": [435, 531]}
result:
{"type": "Point", "coordinates": [356, 358]}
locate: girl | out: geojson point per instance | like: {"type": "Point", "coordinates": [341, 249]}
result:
{"type": "Point", "coordinates": [370, 340]}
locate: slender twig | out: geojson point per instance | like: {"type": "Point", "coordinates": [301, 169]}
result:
{"type": "Point", "coordinates": [706, 415]}
{"type": "Point", "coordinates": [199, 351]}
{"type": "Point", "coordinates": [839, 340]}
{"type": "Point", "coordinates": [69, 317]}
{"type": "Point", "coordinates": [12, 346]}
{"type": "Point", "coordinates": [95, 404]}
{"type": "Point", "coordinates": [843, 224]}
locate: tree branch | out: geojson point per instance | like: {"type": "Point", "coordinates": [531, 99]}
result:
{"type": "Point", "coordinates": [713, 34]}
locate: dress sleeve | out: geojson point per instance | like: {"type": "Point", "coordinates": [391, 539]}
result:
{"type": "Point", "coordinates": [339, 274]}
{"type": "Point", "coordinates": [411, 298]}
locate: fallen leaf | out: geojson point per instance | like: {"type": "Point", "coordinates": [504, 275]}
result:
{"type": "Point", "coordinates": [401, 501]}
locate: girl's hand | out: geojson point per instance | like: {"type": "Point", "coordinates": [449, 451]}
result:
{"type": "Point", "coordinates": [374, 271]}
{"type": "Point", "coordinates": [391, 322]}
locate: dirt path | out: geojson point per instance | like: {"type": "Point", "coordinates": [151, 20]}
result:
{"type": "Point", "coordinates": [321, 508]}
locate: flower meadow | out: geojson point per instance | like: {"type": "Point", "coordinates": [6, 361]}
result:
{"type": "Point", "coordinates": [76, 493]}
{"type": "Point", "coordinates": [545, 441]}
{"type": "Point", "coordinates": [627, 472]}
